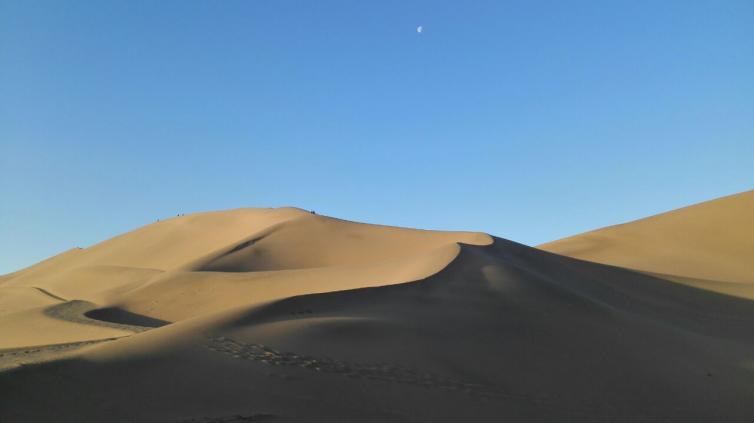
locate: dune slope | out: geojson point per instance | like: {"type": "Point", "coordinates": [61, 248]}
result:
{"type": "Point", "coordinates": [189, 265]}
{"type": "Point", "coordinates": [708, 245]}
{"type": "Point", "coordinates": [301, 318]}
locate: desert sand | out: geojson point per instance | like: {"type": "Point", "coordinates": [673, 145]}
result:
{"type": "Point", "coordinates": [281, 315]}
{"type": "Point", "coordinates": [709, 245]}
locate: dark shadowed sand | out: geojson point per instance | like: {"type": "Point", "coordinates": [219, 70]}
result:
{"type": "Point", "coordinates": [278, 315]}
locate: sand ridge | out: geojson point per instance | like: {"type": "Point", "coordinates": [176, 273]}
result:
{"type": "Point", "coordinates": [282, 315]}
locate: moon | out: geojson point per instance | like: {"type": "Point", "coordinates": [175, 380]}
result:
{"type": "Point", "coordinates": [419, 29]}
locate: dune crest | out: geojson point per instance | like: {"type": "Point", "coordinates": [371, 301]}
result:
{"type": "Point", "coordinates": [206, 262]}
{"type": "Point", "coordinates": [282, 315]}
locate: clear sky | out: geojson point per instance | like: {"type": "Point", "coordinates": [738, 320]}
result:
{"type": "Point", "coordinates": [530, 120]}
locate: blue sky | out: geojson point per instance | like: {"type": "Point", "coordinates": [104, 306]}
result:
{"type": "Point", "coordinates": [530, 120]}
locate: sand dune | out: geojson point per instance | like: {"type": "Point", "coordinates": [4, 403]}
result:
{"type": "Point", "coordinates": [708, 245]}
{"type": "Point", "coordinates": [281, 315]}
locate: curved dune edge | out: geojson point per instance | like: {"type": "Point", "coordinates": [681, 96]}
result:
{"type": "Point", "coordinates": [317, 319]}
{"type": "Point", "coordinates": [193, 328]}
{"type": "Point", "coordinates": [268, 289]}
{"type": "Point", "coordinates": [502, 331]}
{"type": "Point", "coordinates": [126, 287]}
{"type": "Point", "coordinates": [165, 297]}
